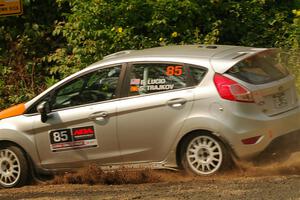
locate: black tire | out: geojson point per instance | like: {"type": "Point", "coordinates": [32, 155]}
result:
{"type": "Point", "coordinates": [14, 169]}
{"type": "Point", "coordinates": [204, 154]}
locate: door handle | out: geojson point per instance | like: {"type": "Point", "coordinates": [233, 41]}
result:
{"type": "Point", "coordinates": [98, 115]}
{"type": "Point", "coordinates": [178, 102]}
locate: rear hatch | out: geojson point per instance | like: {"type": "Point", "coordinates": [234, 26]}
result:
{"type": "Point", "coordinates": [264, 74]}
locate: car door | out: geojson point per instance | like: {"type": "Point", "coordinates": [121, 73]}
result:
{"type": "Point", "coordinates": [159, 98]}
{"type": "Point", "coordinates": [82, 124]}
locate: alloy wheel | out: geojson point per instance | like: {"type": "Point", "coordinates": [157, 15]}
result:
{"type": "Point", "coordinates": [10, 168]}
{"type": "Point", "coordinates": [204, 155]}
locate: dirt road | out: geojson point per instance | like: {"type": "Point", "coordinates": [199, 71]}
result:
{"type": "Point", "coordinates": [272, 187]}
{"type": "Point", "coordinates": [276, 181]}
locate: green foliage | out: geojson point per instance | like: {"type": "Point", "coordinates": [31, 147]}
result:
{"type": "Point", "coordinates": [24, 41]}
{"type": "Point", "coordinates": [54, 39]}
{"type": "Point", "coordinates": [294, 52]}
{"type": "Point", "coordinates": [99, 27]}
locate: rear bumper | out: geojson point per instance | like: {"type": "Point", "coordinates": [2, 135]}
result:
{"type": "Point", "coordinates": [270, 129]}
{"type": "Point", "coordinates": [280, 149]}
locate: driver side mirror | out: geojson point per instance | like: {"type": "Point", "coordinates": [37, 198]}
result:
{"type": "Point", "coordinates": [44, 109]}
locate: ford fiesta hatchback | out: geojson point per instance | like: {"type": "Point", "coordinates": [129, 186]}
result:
{"type": "Point", "coordinates": [193, 107]}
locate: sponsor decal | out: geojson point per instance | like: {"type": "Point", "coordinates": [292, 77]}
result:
{"type": "Point", "coordinates": [83, 131]}
{"type": "Point", "coordinates": [75, 138]}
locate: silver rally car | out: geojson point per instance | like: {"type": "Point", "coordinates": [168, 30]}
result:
{"type": "Point", "coordinates": [194, 107]}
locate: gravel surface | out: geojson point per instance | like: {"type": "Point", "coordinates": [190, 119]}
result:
{"type": "Point", "coordinates": [280, 180]}
{"type": "Point", "coordinates": [268, 187]}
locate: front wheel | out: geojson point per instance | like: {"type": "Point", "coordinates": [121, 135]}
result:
{"type": "Point", "coordinates": [204, 155]}
{"type": "Point", "coordinates": [13, 167]}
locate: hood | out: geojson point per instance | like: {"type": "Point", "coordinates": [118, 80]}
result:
{"type": "Point", "coordinates": [13, 111]}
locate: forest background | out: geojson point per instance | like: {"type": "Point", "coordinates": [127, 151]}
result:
{"type": "Point", "coordinates": [54, 38]}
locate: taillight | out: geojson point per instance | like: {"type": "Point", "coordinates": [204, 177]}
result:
{"type": "Point", "coordinates": [231, 90]}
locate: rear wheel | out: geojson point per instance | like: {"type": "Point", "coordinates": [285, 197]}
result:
{"type": "Point", "coordinates": [204, 155]}
{"type": "Point", "coordinates": [13, 167]}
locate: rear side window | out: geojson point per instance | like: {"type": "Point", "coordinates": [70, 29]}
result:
{"type": "Point", "coordinates": [156, 77]}
{"type": "Point", "coordinates": [262, 68]}
{"type": "Point", "coordinates": [196, 74]}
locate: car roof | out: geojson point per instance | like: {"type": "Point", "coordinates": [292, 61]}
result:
{"type": "Point", "coordinates": [174, 51]}
{"type": "Point", "coordinates": [220, 57]}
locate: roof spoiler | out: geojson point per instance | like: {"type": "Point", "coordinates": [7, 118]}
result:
{"type": "Point", "coordinates": [120, 53]}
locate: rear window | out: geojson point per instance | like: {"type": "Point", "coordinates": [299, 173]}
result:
{"type": "Point", "coordinates": [261, 68]}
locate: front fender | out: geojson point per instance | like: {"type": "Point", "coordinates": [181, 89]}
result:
{"type": "Point", "coordinates": [25, 141]}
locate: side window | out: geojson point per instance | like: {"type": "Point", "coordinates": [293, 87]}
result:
{"type": "Point", "coordinates": [150, 78]}
{"type": "Point", "coordinates": [64, 95]}
{"type": "Point", "coordinates": [197, 74]}
{"type": "Point", "coordinates": [96, 86]}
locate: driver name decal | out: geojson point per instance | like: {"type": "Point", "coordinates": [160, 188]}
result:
{"type": "Point", "coordinates": [72, 138]}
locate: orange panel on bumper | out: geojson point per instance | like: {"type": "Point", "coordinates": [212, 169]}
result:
{"type": "Point", "coordinates": [13, 111]}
